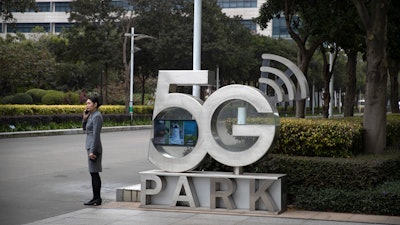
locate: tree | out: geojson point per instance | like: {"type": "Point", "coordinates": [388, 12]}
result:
{"type": "Point", "coordinates": [305, 26]}
{"type": "Point", "coordinates": [25, 64]}
{"type": "Point", "coordinates": [95, 35]}
{"type": "Point", "coordinates": [349, 36]}
{"type": "Point", "coordinates": [328, 73]}
{"type": "Point", "coordinates": [167, 23]}
{"type": "Point", "coordinates": [8, 6]}
{"type": "Point", "coordinates": [373, 15]}
{"type": "Point", "coordinates": [393, 54]}
{"type": "Point", "coordinates": [226, 43]}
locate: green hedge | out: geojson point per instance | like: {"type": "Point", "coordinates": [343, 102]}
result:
{"type": "Point", "coordinates": [17, 110]}
{"type": "Point", "coordinates": [393, 130]}
{"type": "Point", "coordinates": [319, 137]}
{"type": "Point", "coordinates": [41, 96]}
{"type": "Point", "coordinates": [7, 99]}
{"type": "Point", "coordinates": [382, 200]}
{"type": "Point", "coordinates": [361, 185]}
{"type": "Point", "coordinates": [71, 98]}
{"type": "Point", "coordinates": [38, 117]}
{"type": "Point", "coordinates": [65, 121]}
{"type": "Point", "coordinates": [301, 137]}
{"type": "Point", "coordinates": [53, 97]}
{"type": "Point", "coordinates": [22, 98]}
{"type": "Point", "coordinates": [364, 184]}
{"type": "Point", "coordinates": [36, 94]}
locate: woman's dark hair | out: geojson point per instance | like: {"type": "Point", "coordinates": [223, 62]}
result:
{"type": "Point", "coordinates": [95, 99]}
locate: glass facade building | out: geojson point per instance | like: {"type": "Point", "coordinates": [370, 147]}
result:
{"type": "Point", "coordinates": [237, 3]}
{"type": "Point", "coordinates": [52, 16]}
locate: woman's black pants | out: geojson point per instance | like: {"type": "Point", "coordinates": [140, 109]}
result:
{"type": "Point", "coordinates": [96, 185]}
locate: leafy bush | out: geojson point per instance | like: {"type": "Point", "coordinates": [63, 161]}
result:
{"type": "Point", "coordinates": [53, 97]}
{"type": "Point", "coordinates": [356, 185]}
{"type": "Point", "coordinates": [7, 99]}
{"type": "Point", "coordinates": [393, 130]}
{"type": "Point", "coordinates": [12, 110]}
{"type": "Point", "coordinates": [382, 200]}
{"type": "Point", "coordinates": [320, 173]}
{"type": "Point", "coordinates": [35, 117]}
{"type": "Point", "coordinates": [112, 109]}
{"type": "Point", "coordinates": [22, 98]}
{"type": "Point", "coordinates": [319, 137]}
{"type": "Point", "coordinates": [71, 98]}
{"type": "Point", "coordinates": [36, 94]}
{"type": "Point", "coordinates": [144, 109]}
{"type": "Point", "coordinates": [65, 121]}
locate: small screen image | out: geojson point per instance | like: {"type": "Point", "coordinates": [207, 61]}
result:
{"type": "Point", "coordinates": [175, 132]}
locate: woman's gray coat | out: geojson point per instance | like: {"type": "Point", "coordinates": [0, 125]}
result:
{"type": "Point", "coordinates": [93, 145]}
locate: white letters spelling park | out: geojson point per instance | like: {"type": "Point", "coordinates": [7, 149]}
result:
{"type": "Point", "coordinates": [236, 125]}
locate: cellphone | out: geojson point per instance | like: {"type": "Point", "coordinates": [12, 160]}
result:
{"type": "Point", "coordinates": [86, 111]}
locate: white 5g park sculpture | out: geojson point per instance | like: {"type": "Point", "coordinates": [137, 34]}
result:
{"type": "Point", "coordinates": [236, 125]}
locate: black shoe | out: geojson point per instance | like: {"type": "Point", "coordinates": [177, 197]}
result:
{"type": "Point", "coordinates": [93, 202]}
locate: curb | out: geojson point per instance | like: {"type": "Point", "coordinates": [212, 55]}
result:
{"type": "Point", "coordinates": [68, 131]}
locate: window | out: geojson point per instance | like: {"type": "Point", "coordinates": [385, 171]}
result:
{"type": "Point", "coordinates": [26, 27]}
{"type": "Point", "coordinates": [237, 3]}
{"type": "Point", "coordinates": [249, 24]}
{"type": "Point", "coordinates": [58, 27]}
{"type": "Point", "coordinates": [41, 7]}
{"type": "Point", "coordinates": [62, 6]}
{"type": "Point", "coordinates": [122, 4]}
{"type": "Point", "coordinates": [279, 29]}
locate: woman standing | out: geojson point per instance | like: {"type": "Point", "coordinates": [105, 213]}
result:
{"type": "Point", "coordinates": [92, 123]}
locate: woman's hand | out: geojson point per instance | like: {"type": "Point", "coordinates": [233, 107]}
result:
{"type": "Point", "coordinates": [92, 156]}
{"type": "Point", "coordinates": [85, 114]}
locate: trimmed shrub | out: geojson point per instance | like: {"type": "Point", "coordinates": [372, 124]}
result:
{"type": "Point", "coordinates": [319, 137]}
{"type": "Point", "coordinates": [36, 94]}
{"type": "Point", "coordinates": [22, 98]}
{"type": "Point", "coordinates": [382, 200]}
{"type": "Point", "coordinates": [357, 185]}
{"type": "Point", "coordinates": [393, 130]}
{"type": "Point", "coordinates": [12, 110]}
{"type": "Point", "coordinates": [64, 121]}
{"type": "Point", "coordinates": [7, 99]}
{"type": "Point", "coordinates": [143, 109]}
{"type": "Point", "coordinates": [53, 97]}
{"type": "Point", "coordinates": [71, 98]}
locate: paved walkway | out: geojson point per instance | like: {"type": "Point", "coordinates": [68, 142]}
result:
{"type": "Point", "coordinates": [67, 131]}
{"type": "Point", "coordinates": [114, 213]}
{"type": "Point", "coordinates": [120, 213]}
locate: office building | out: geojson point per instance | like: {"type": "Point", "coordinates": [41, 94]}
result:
{"type": "Point", "coordinates": [53, 15]}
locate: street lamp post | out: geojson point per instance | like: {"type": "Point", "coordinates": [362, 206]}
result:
{"type": "Point", "coordinates": [131, 73]}
{"type": "Point", "coordinates": [133, 37]}
{"type": "Point", "coordinates": [331, 86]}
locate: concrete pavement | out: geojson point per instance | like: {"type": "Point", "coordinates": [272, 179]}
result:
{"type": "Point", "coordinates": [67, 131]}
{"type": "Point", "coordinates": [112, 212]}
{"type": "Point", "coordinates": [119, 213]}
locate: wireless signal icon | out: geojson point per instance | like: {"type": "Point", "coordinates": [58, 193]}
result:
{"type": "Point", "coordinates": [287, 85]}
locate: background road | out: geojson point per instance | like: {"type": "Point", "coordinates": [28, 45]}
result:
{"type": "Point", "coordinates": [45, 176]}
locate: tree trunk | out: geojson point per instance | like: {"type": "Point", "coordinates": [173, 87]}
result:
{"type": "Point", "coordinates": [394, 69]}
{"type": "Point", "coordinates": [351, 80]}
{"type": "Point", "coordinates": [105, 97]}
{"type": "Point", "coordinates": [303, 60]}
{"type": "Point", "coordinates": [326, 95]}
{"type": "Point", "coordinates": [375, 21]}
{"type": "Point", "coordinates": [143, 90]}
